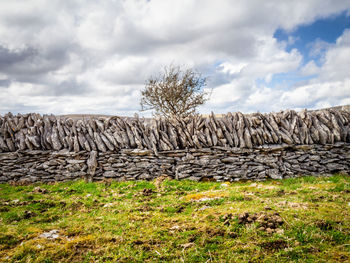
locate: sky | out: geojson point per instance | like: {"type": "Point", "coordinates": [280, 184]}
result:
{"type": "Point", "coordinates": [94, 56]}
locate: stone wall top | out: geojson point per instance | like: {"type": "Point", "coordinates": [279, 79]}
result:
{"type": "Point", "coordinates": [48, 132]}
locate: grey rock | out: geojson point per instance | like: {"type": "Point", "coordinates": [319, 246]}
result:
{"type": "Point", "coordinates": [75, 161]}
{"type": "Point", "coordinates": [315, 158]}
{"type": "Point", "coordinates": [111, 174]}
{"type": "Point", "coordinates": [145, 176]}
{"type": "Point", "coordinates": [92, 165]}
{"type": "Point", "coordinates": [274, 174]}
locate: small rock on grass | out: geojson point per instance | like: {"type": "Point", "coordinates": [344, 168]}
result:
{"type": "Point", "coordinates": [187, 245]}
{"type": "Point", "coordinates": [53, 234]}
{"type": "Point", "coordinates": [176, 227]}
{"type": "Point", "coordinates": [39, 190]}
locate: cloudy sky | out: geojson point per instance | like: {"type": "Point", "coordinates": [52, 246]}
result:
{"type": "Point", "coordinates": [93, 56]}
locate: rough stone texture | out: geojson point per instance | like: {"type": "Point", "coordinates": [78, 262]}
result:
{"type": "Point", "coordinates": [233, 147]}
{"type": "Point", "coordinates": [216, 163]}
{"type": "Point", "coordinates": [36, 132]}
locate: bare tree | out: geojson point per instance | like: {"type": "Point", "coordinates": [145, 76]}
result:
{"type": "Point", "coordinates": [176, 93]}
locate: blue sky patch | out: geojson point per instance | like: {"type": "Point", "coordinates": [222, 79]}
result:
{"type": "Point", "coordinates": [312, 41]}
{"type": "Point", "coordinates": [284, 81]}
{"type": "Point", "coordinates": [325, 30]}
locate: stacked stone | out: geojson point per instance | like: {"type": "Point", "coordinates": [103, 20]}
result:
{"type": "Point", "coordinates": [216, 163]}
{"type": "Point", "coordinates": [274, 161]}
{"type": "Point", "coordinates": [45, 166]}
{"type": "Point", "coordinates": [36, 132]}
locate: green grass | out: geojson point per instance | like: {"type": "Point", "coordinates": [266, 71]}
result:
{"type": "Point", "coordinates": [177, 221]}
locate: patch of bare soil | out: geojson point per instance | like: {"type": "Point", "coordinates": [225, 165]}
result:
{"type": "Point", "coordinates": [28, 214]}
{"type": "Point", "coordinates": [147, 192]}
{"type": "Point", "coordinates": [327, 225]}
{"type": "Point", "coordinates": [274, 245]}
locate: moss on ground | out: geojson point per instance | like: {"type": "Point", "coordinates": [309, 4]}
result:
{"type": "Point", "coordinates": [177, 221]}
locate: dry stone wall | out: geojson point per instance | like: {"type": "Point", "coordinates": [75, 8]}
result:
{"type": "Point", "coordinates": [233, 147]}
{"type": "Point", "coordinates": [218, 163]}
{"type": "Point", "coordinates": [36, 132]}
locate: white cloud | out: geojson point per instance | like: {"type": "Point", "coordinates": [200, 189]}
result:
{"type": "Point", "coordinates": [264, 99]}
{"type": "Point", "coordinates": [94, 56]}
{"type": "Point", "coordinates": [310, 69]}
{"type": "Point", "coordinates": [331, 86]}
{"type": "Point", "coordinates": [336, 60]}
{"type": "Point", "coordinates": [318, 47]}
{"type": "Point", "coordinates": [242, 93]}
{"type": "Point", "coordinates": [327, 92]}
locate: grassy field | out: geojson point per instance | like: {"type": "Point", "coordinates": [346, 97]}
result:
{"type": "Point", "coordinates": [294, 220]}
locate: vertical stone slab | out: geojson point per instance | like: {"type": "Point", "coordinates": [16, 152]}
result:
{"type": "Point", "coordinates": [92, 165]}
